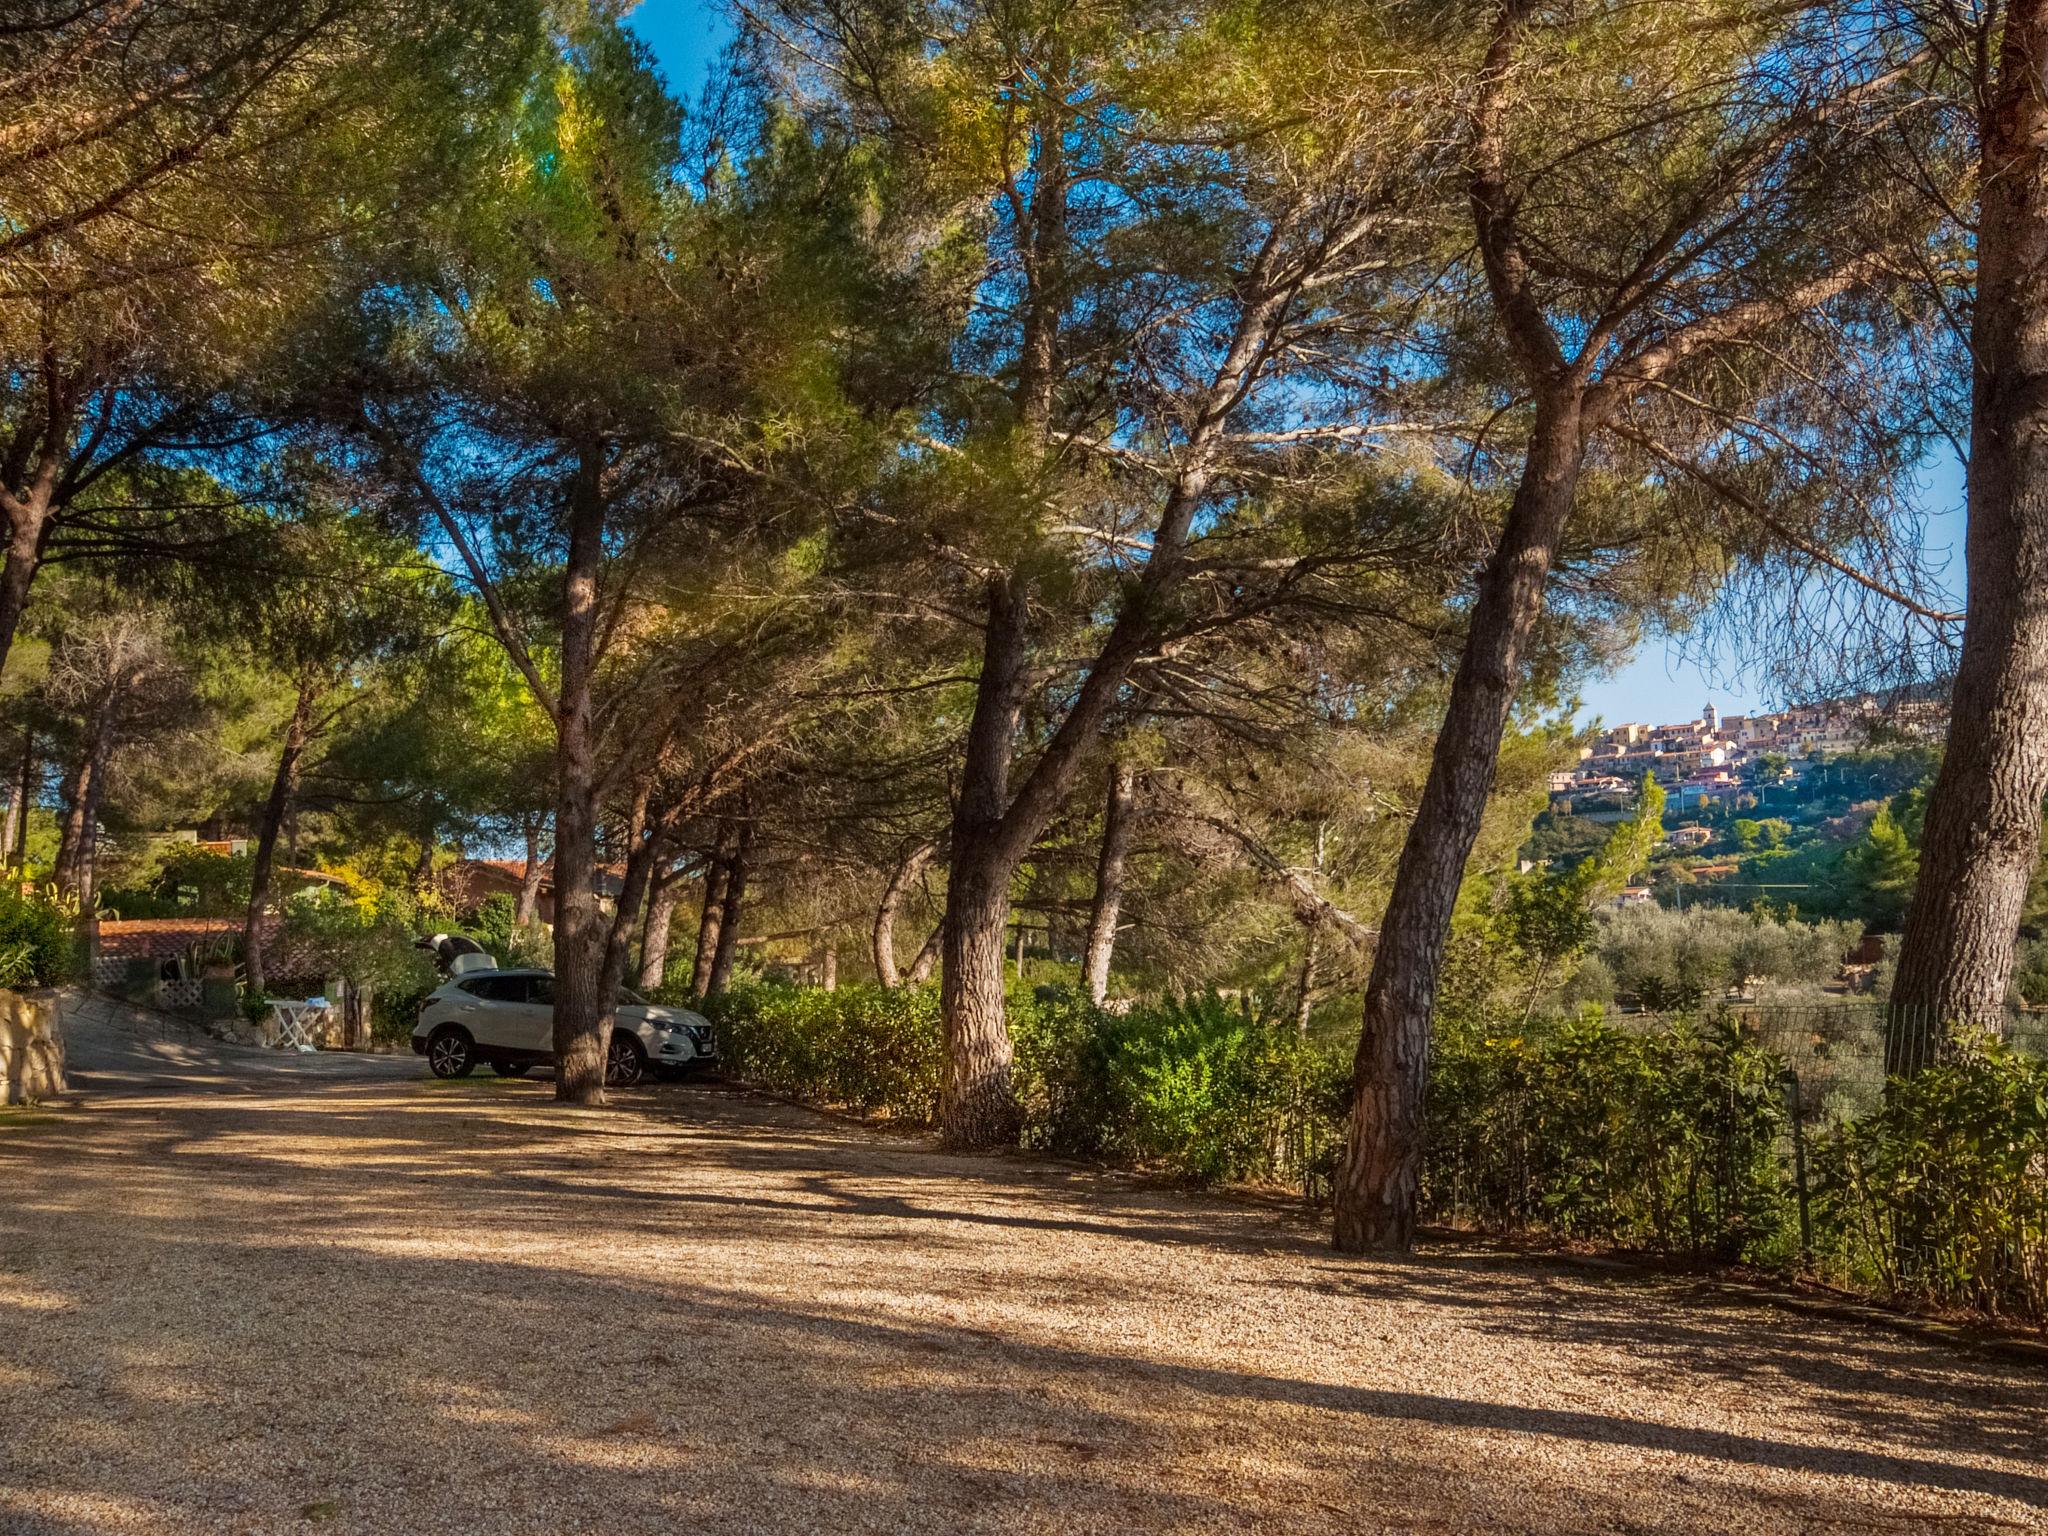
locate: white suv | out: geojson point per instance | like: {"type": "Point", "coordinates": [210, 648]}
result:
{"type": "Point", "coordinates": [507, 1018]}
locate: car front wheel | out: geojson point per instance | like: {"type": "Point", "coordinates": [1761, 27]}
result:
{"type": "Point", "coordinates": [450, 1051]}
{"type": "Point", "coordinates": [624, 1061]}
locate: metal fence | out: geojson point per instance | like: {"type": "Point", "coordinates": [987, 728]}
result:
{"type": "Point", "coordinates": [1842, 1052]}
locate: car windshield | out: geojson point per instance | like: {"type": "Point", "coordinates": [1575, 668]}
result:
{"type": "Point", "coordinates": [628, 995]}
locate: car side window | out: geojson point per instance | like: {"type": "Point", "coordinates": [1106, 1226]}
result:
{"type": "Point", "coordinates": [541, 990]}
{"type": "Point", "coordinates": [498, 989]}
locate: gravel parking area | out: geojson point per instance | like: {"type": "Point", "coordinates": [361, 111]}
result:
{"type": "Point", "coordinates": [391, 1305]}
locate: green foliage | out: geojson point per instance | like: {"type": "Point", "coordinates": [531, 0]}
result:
{"type": "Point", "coordinates": [203, 882]}
{"type": "Point", "coordinates": [1198, 1088]}
{"type": "Point", "coordinates": [367, 937]}
{"type": "Point", "coordinates": [863, 1048]}
{"type": "Point", "coordinates": [38, 941]}
{"type": "Point", "coordinates": [1664, 1140]}
{"type": "Point", "coordinates": [1548, 917]}
{"type": "Point", "coordinates": [1881, 870]}
{"type": "Point", "coordinates": [1676, 960]}
{"type": "Point", "coordinates": [1941, 1194]}
{"type": "Point", "coordinates": [493, 926]}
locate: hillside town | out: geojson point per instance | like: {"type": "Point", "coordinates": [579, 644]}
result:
{"type": "Point", "coordinates": [1715, 758]}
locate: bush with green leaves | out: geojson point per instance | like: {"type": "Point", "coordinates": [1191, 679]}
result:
{"type": "Point", "coordinates": [1671, 1137]}
{"type": "Point", "coordinates": [1197, 1087]}
{"type": "Point", "coordinates": [1194, 1088]}
{"type": "Point", "coordinates": [1667, 1140]}
{"type": "Point", "coordinates": [367, 936]}
{"type": "Point", "coordinates": [38, 941]}
{"type": "Point", "coordinates": [1940, 1195]}
{"type": "Point", "coordinates": [862, 1048]}
{"type": "Point", "coordinates": [494, 925]}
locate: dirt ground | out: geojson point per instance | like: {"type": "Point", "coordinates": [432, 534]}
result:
{"type": "Point", "coordinates": [273, 1301]}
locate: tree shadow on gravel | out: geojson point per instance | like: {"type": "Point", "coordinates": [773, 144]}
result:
{"type": "Point", "coordinates": [249, 1318]}
{"type": "Point", "coordinates": [767, 1415]}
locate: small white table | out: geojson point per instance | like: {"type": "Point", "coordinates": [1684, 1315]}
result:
{"type": "Point", "coordinates": [294, 1022]}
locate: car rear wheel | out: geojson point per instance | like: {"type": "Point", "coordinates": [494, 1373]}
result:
{"type": "Point", "coordinates": [450, 1051]}
{"type": "Point", "coordinates": [624, 1061]}
{"type": "Point", "coordinates": [511, 1068]}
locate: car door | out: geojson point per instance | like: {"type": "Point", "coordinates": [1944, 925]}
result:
{"type": "Point", "coordinates": [537, 1015]}
{"type": "Point", "coordinates": [496, 1018]}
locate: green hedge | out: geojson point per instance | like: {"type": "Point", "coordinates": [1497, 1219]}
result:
{"type": "Point", "coordinates": [39, 944]}
{"type": "Point", "coordinates": [1194, 1089]}
{"type": "Point", "coordinates": [1672, 1138]}
{"type": "Point", "coordinates": [1941, 1194]}
{"type": "Point", "coordinates": [1668, 1141]}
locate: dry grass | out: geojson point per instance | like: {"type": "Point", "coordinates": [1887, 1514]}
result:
{"type": "Point", "coordinates": [376, 1306]}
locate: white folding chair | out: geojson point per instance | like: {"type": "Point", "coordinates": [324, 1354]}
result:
{"type": "Point", "coordinates": [291, 1026]}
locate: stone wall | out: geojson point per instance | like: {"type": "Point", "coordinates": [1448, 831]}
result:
{"type": "Point", "coordinates": [31, 1047]}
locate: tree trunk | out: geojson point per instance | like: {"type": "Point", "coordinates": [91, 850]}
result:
{"type": "Point", "coordinates": [661, 912]}
{"type": "Point", "coordinates": [1981, 840]}
{"type": "Point", "coordinates": [1305, 1000]}
{"type": "Point", "coordinates": [81, 801]}
{"type": "Point", "coordinates": [927, 959]}
{"type": "Point", "coordinates": [892, 901]}
{"type": "Point", "coordinates": [25, 794]}
{"type": "Point", "coordinates": [708, 924]}
{"type": "Point", "coordinates": [582, 1010]}
{"type": "Point", "coordinates": [283, 785]}
{"type": "Point", "coordinates": [1109, 881]}
{"type": "Point", "coordinates": [730, 910]}
{"type": "Point", "coordinates": [977, 1103]}
{"type": "Point", "coordinates": [17, 809]}
{"type": "Point", "coordinates": [633, 891]}
{"type": "Point", "coordinates": [828, 968]}
{"type": "Point", "coordinates": [89, 847]}
{"type": "Point", "coordinates": [29, 524]}
{"type": "Point", "coordinates": [1377, 1180]}
{"type": "Point", "coordinates": [526, 908]}
{"type": "Point", "coordinates": [423, 866]}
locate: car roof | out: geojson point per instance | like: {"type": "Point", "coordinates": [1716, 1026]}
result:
{"type": "Point", "coordinates": [527, 971]}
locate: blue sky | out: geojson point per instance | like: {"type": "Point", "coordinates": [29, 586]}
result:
{"type": "Point", "coordinates": [685, 37]}
{"type": "Point", "coordinates": [1657, 686]}
{"type": "Point", "coordinates": [1660, 687]}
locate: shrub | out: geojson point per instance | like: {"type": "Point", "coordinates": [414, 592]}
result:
{"type": "Point", "coordinates": [1941, 1193]}
{"type": "Point", "coordinates": [1195, 1088]}
{"type": "Point", "coordinates": [1665, 1140]}
{"type": "Point", "coordinates": [1672, 1138]}
{"type": "Point", "coordinates": [859, 1047]}
{"type": "Point", "coordinates": [38, 941]}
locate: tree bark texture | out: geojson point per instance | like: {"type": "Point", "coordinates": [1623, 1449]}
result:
{"type": "Point", "coordinates": [582, 1011]}
{"type": "Point", "coordinates": [526, 907]}
{"type": "Point", "coordinates": [708, 923]}
{"type": "Point", "coordinates": [1109, 881]}
{"type": "Point", "coordinates": [927, 959]}
{"type": "Point", "coordinates": [911, 866]}
{"type": "Point", "coordinates": [731, 909]}
{"type": "Point", "coordinates": [1378, 1177]}
{"type": "Point", "coordinates": [25, 795]}
{"type": "Point", "coordinates": [1305, 999]}
{"type": "Point", "coordinates": [82, 791]}
{"type": "Point", "coordinates": [284, 785]}
{"type": "Point", "coordinates": [661, 912]}
{"type": "Point", "coordinates": [1982, 835]}
{"type": "Point", "coordinates": [977, 1103]}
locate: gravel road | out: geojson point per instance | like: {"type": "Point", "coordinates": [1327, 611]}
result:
{"type": "Point", "coordinates": [309, 1301]}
